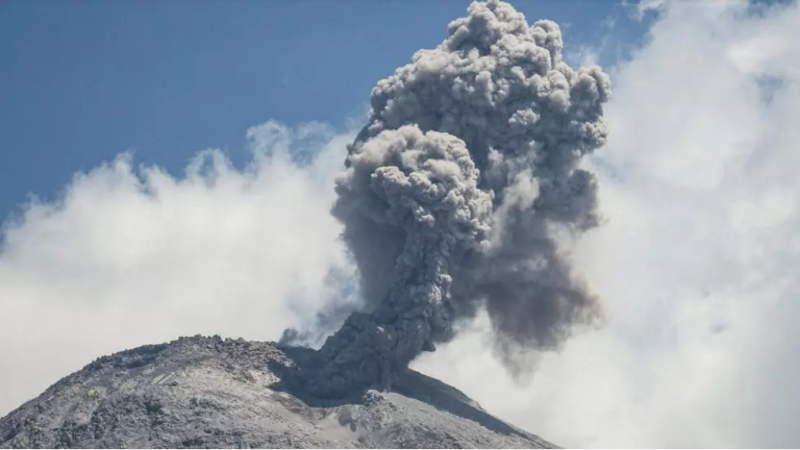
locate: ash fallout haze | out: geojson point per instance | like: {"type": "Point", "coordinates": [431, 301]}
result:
{"type": "Point", "coordinates": [606, 257]}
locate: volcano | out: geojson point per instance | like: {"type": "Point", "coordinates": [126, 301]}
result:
{"type": "Point", "coordinates": [209, 392]}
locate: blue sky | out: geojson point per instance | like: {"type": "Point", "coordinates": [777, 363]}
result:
{"type": "Point", "coordinates": [85, 81]}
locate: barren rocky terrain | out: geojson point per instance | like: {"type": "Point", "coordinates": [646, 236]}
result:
{"type": "Point", "coordinates": [209, 392]}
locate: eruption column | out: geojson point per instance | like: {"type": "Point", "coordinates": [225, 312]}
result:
{"type": "Point", "coordinates": [453, 193]}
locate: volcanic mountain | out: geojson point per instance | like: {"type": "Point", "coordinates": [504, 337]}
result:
{"type": "Point", "coordinates": [209, 392]}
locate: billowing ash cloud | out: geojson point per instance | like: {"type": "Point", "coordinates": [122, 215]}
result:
{"type": "Point", "coordinates": [455, 191]}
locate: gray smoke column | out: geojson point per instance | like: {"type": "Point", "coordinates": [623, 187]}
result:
{"type": "Point", "coordinates": [455, 191]}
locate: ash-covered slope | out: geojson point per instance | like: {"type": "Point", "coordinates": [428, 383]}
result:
{"type": "Point", "coordinates": [205, 392]}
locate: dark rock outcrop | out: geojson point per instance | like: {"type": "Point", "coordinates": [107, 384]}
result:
{"type": "Point", "coordinates": [203, 392]}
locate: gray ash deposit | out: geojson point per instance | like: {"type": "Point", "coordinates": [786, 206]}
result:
{"type": "Point", "coordinates": [206, 392]}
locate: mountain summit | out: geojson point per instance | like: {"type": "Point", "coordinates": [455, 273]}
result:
{"type": "Point", "coordinates": [209, 392]}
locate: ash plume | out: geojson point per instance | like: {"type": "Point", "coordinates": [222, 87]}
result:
{"type": "Point", "coordinates": [454, 194]}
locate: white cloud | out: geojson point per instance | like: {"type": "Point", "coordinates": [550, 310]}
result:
{"type": "Point", "coordinates": [698, 260]}
{"type": "Point", "coordinates": [134, 256]}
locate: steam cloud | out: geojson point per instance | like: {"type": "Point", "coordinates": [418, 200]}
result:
{"type": "Point", "coordinates": [456, 191]}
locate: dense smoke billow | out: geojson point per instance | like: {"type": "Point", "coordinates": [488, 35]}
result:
{"type": "Point", "coordinates": [456, 191]}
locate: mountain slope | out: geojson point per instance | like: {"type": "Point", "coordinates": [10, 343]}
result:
{"type": "Point", "coordinates": [202, 392]}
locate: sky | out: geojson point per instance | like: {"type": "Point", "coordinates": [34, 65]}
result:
{"type": "Point", "coordinates": [181, 160]}
{"type": "Point", "coordinates": [86, 80]}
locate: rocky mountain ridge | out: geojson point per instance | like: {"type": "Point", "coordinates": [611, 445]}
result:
{"type": "Point", "coordinates": [209, 392]}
